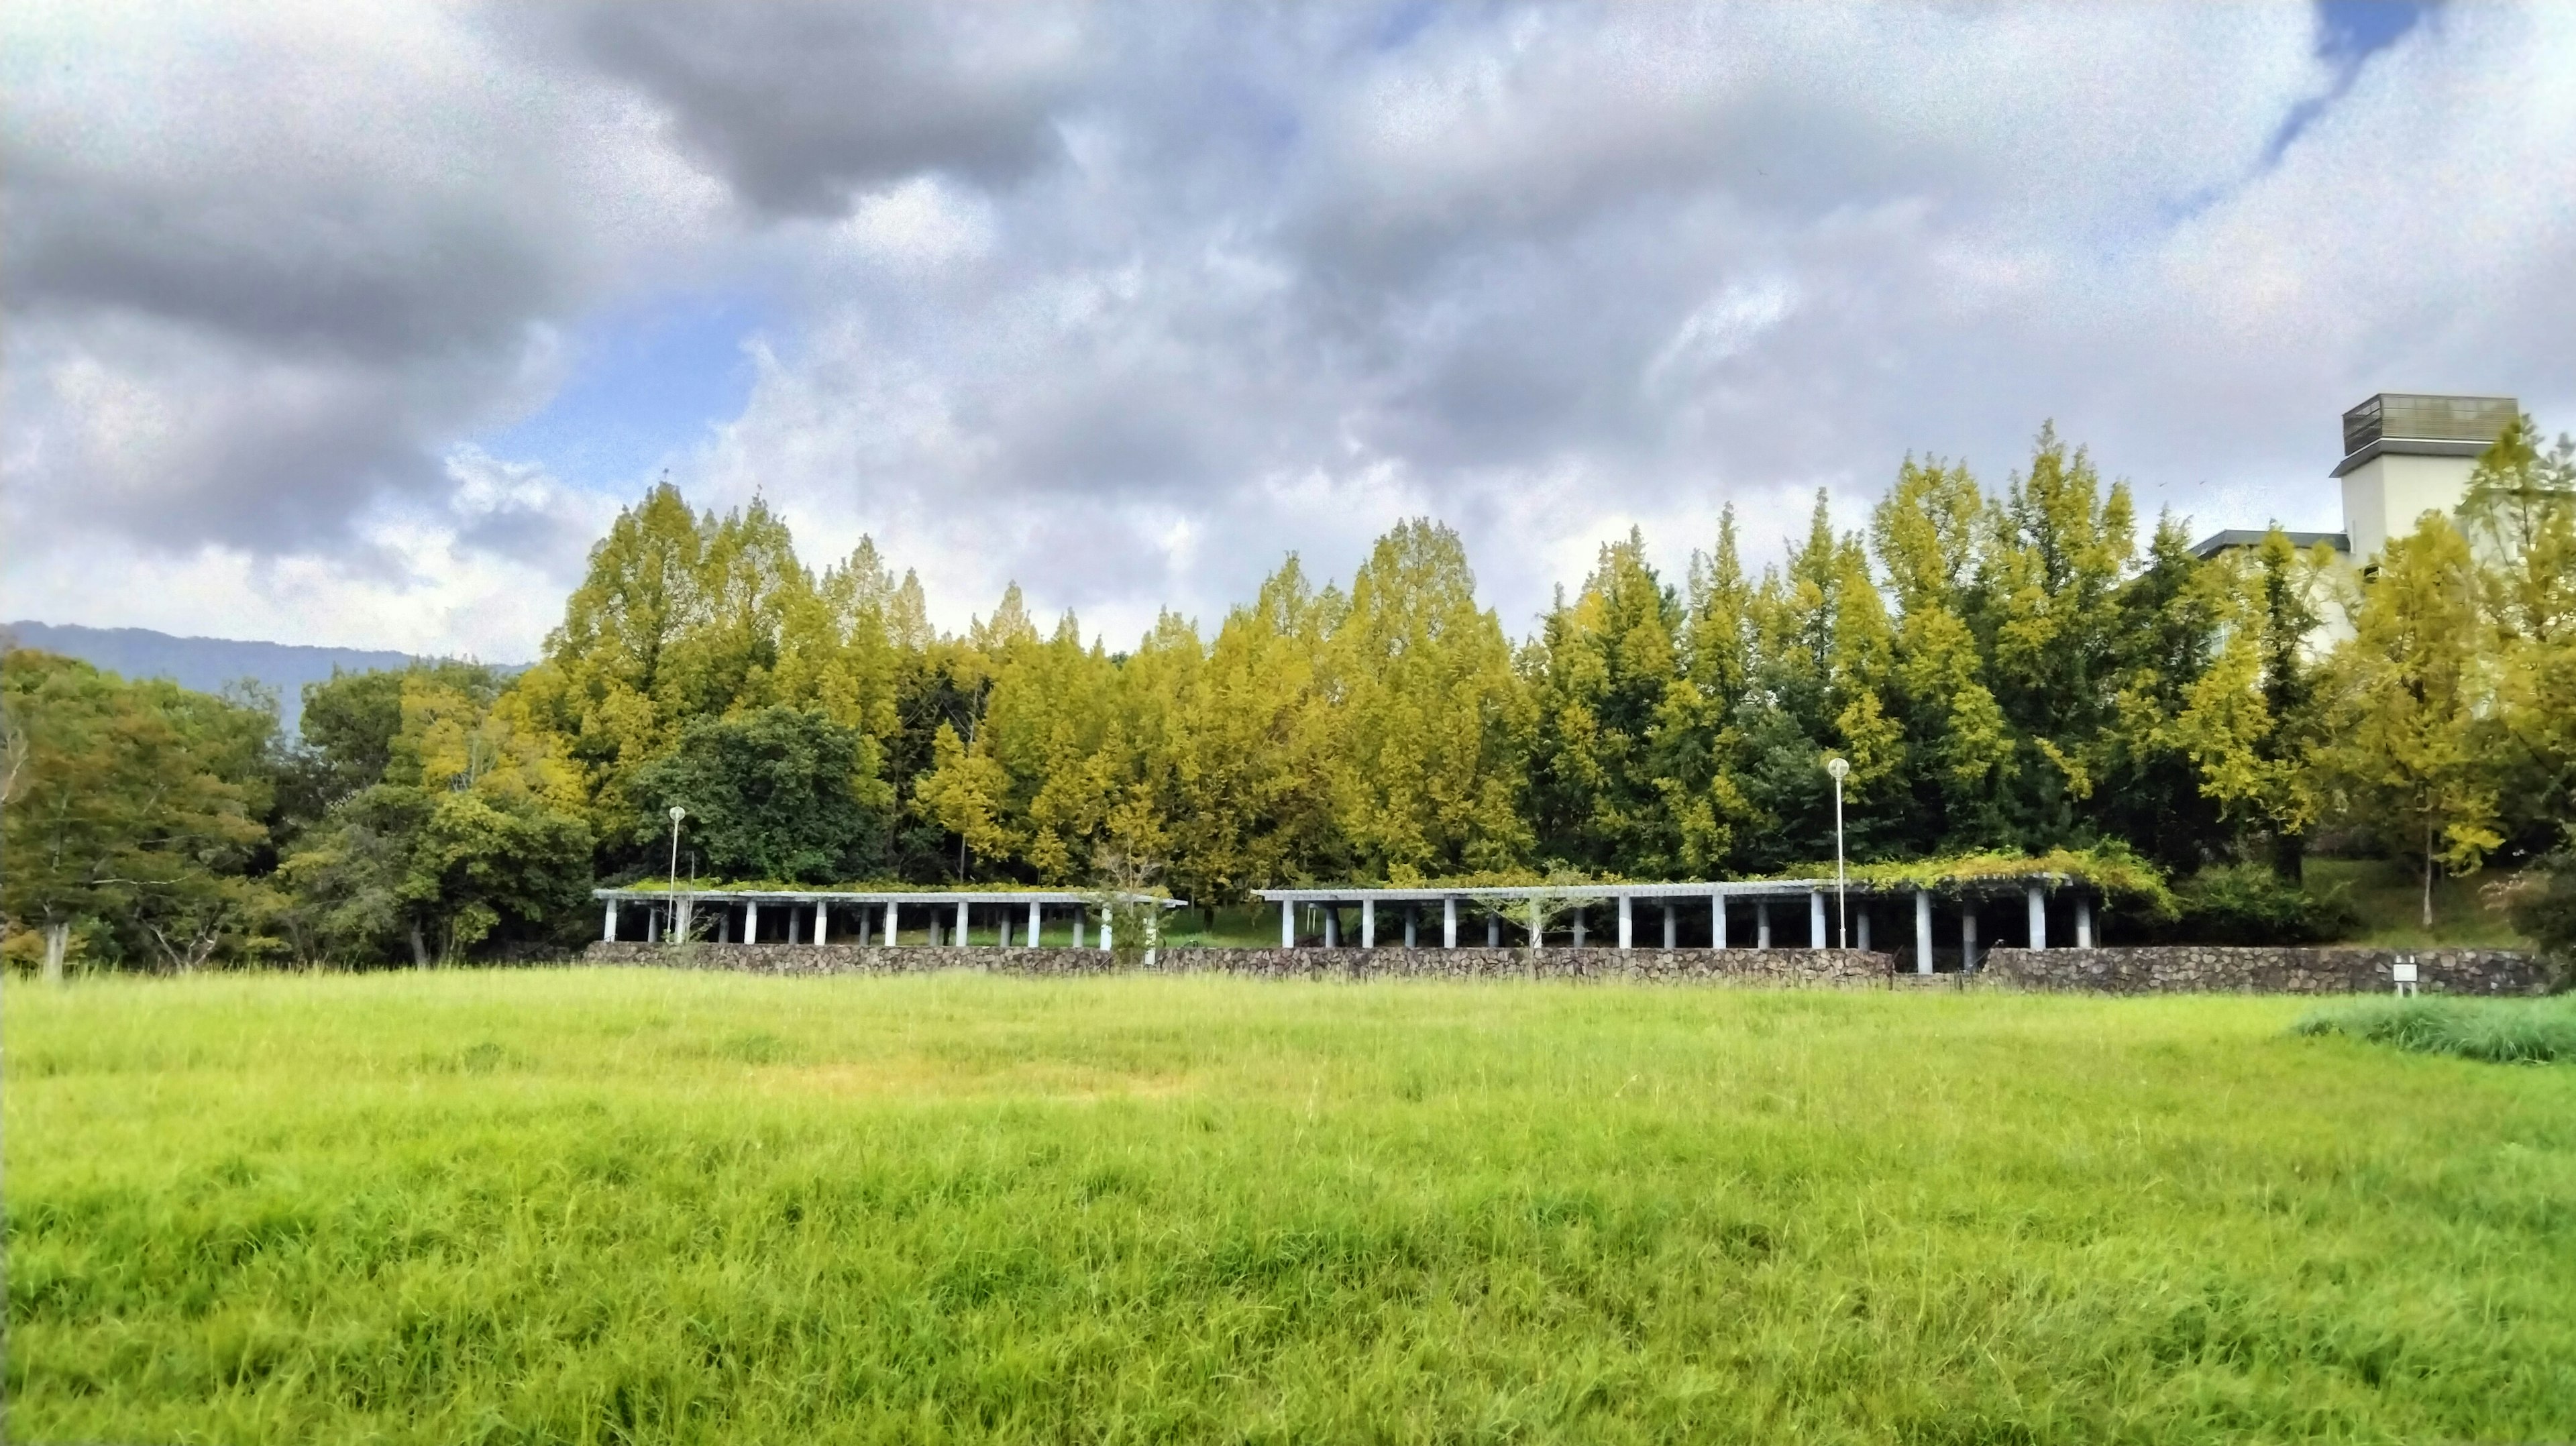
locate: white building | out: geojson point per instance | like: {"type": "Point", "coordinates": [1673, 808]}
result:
{"type": "Point", "coordinates": [2404, 454]}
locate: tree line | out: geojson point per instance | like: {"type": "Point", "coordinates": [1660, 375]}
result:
{"type": "Point", "coordinates": [2005, 670]}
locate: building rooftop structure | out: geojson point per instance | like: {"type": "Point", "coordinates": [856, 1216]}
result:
{"type": "Point", "coordinates": [2404, 454]}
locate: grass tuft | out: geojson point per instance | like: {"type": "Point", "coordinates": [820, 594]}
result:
{"type": "Point", "coordinates": [2499, 1031]}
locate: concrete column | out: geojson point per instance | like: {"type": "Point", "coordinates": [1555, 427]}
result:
{"type": "Point", "coordinates": [2083, 922]}
{"type": "Point", "coordinates": [1412, 918]}
{"type": "Point", "coordinates": [1080, 916]}
{"type": "Point", "coordinates": [961, 923]}
{"type": "Point", "coordinates": [1538, 926]}
{"type": "Point", "coordinates": [751, 921]}
{"type": "Point", "coordinates": [1864, 929]}
{"type": "Point", "coordinates": [1922, 931]}
{"type": "Point", "coordinates": [1672, 926]}
{"type": "Point", "coordinates": [822, 923]}
{"type": "Point", "coordinates": [1578, 926]}
{"type": "Point", "coordinates": [724, 925]}
{"type": "Point", "coordinates": [862, 940]}
{"type": "Point", "coordinates": [1967, 936]}
{"type": "Point", "coordinates": [930, 930]}
{"type": "Point", "coordinates": [1332, 926]}
{"type": "Point", "coordinates": [1761, 923]}
{"type": "Point", "coordinates": [1037, 924]}
{"type": "Point", "coordinates": [1003, 933]}
{"type": "Point", "coordinates": [1449, 923]}
{"type": "Point", "coordinates": [1108, 932]}
{"type": "Point", "coordinates": [795, 926]}
{"type": "Point", "coordinates": [2038, 917]}
{"type": "Point", "coordinates": [1494, 930]}
{"type": "Point", "coordinates": [1368, 923]}
{"type": "Point", "coordinates": [1717, 921]}
{"type": "Point", "coordinates": [608, 926]}
{"type": "Point", "coordinates": [894, 924]}
{"type": "Point", "coordinates": [653, 925]}
{"type": "Point", "coordinates": [1627, 924]}
{"type": "Point", "coordinates": [1815, 918]}
{"type": "Point", "coordinates": [1287, 925]}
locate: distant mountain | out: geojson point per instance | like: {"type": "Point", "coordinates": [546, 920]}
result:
{"type": "Point", "coordinates": [206, 664]}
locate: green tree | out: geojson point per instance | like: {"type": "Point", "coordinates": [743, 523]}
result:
{"type": "Point", "coordinates": [779, 793]}
{"type": "Point", "coordinates": [348, 727]}
{"type": "Point", "coordinates": [1823, 667]}
{"type": "Point", "coordinates": [1609, 694]}
{"type": "Point", "coordinates": [133, 807]}
{"type": "Point", "coordinates": [472, 828]}
{"type": "Point", "coordinates": [2176, 614]}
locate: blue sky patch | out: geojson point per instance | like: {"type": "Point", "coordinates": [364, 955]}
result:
{"type": "Point", "coordinates": [644, 386]}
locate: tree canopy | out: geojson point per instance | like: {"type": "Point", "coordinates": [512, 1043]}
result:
{"type": "Point", "coordinates": [2009, 672]}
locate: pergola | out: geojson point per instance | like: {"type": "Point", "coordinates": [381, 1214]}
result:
{"type": "Point", "coordinates": [865, 912]}
{"type": "Point", "coordinates": [1532, 904]}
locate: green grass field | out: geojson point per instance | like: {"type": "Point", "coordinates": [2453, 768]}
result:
{"type": "Point", "coordinates": [587, 1206]}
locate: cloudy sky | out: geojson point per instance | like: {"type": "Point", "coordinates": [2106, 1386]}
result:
{"type": "Point", "coordinates": [355, 324]}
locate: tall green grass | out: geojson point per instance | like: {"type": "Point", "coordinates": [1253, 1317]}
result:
{"type": "Point", "coordinates": [2499, 1031]}
{"type": "Point", "coordinates": [592, 1206]}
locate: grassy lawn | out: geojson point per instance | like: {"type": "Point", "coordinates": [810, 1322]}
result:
{"type": "Point", "coordinates": [592, 1206]}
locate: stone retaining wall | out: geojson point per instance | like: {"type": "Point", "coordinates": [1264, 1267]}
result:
{"type": "Point", "coordinates": [2174, 969]}
{"type": "Point", "coordinates": [2203, 969]}
{"type": "Point", "coordinates": [1781, 967]}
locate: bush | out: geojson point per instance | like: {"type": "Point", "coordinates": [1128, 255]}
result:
{"type": "Point", "coordinates": [2250, 904]}
{"type": "Point", "coordinates": [2541, 901]}
{"type": "Point", "coordinates": [2497, 1031]}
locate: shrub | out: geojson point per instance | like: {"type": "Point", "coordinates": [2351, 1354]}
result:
{"type": "Point", "coordinates": [2250, 904]}
{"type": "Point", "coordinates": [2497, 1031]}
{"type": "Point", "coordinates": [2541, 901]}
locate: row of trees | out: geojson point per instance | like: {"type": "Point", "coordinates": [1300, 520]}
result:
{"type": "Point", "coordinates": [2003, 670]}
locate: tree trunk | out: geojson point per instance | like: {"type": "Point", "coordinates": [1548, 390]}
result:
{"type": "Point", "coordinates": [58, 942]}
{"type": "Point", "coordinates": [419, 947]}
{"type": "Point", "coordinates": [2428, 879]}
{"type": "Point", "coordinates": [2290, 857]}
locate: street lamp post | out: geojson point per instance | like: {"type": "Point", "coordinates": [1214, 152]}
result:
{"type": "Point", "coordinates": [677, 813]}
{"type": "Point", "coordinates": [1842, 900]}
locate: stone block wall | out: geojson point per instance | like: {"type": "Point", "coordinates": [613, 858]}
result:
{"type": "Point", "coordinates": [1775, 967]}
{"type": "Point", "coordinates": [2209, 969]}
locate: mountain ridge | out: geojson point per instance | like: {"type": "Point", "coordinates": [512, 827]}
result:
{"type": "Point", "coordinates": [209, 664]}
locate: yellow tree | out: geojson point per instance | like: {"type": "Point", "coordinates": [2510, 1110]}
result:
{"type": "Point", "coordinates": [2057, 546]}
{"type": "Point", "coordinates": [2249, 722]}
{"type": "Point", "coordinates": [2408, 758]}
{"type": "Point", "coordinates": [1925, 533]}
{"type": "Point", "coordinates": [1697, 740]}
{"type": "Point", "coordinates": [1259, 807]}
{"type": "Point", "coordinates": [1428, 773]}
{"type": "Point", "coordinates": [2520, 518]}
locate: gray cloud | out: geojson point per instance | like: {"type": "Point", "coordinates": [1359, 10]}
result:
{"type": "Point", "coordinates": [797, 105]}
{"type": "Point", "coordinates": [1127, 301]}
